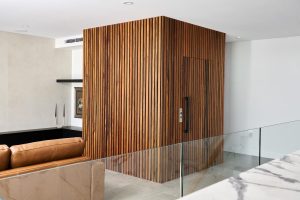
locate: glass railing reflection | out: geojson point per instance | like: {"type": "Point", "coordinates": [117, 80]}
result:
{"type": "Point", "coordinates": [176, 170]}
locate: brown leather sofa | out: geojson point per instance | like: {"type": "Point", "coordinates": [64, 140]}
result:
{"type": "Point", "coordinates": [4, 157]}
{"type": "Point", "coordinates": [52, 156]}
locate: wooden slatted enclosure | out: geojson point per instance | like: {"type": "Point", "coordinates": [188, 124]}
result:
{"type": "Point", "coordinates": [133, 89]}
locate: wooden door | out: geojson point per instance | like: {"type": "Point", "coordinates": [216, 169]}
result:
{"type": "Point", "coordinates": [195, 93]}
{"type": "Point", "coordinates": [195, 86]}
{"type": "Point", "coordinates": [202, 143]}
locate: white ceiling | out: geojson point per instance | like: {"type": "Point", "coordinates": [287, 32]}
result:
{"type": "Point", "coordinates": [249, 19]}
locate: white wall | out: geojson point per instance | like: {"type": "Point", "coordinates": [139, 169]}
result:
{"type": "Point", "coordinates": [29, 67]}
{"type": "Point", "coordinates": [261, 88]}
{"type": "Point", "coordinates": [77, 72]}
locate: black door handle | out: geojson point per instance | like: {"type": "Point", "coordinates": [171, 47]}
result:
{"type": "Point", "coordinates": [186, 114]}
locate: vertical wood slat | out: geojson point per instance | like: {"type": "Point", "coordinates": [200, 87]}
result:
{"type": "Point", "coordinates": [132, 92]}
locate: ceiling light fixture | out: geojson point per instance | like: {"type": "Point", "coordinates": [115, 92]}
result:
{"type": "Point", "coordinates": [23, 29]}
{"type": "Point", "coordinates": [238, 37]}
{"type": "Point", "coordinates": [128, 3]}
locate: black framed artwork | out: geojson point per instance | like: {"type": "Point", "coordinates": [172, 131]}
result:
{"type": "Point", "coordinates": [78, 102]}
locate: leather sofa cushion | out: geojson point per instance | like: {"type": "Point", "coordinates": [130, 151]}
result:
{"type": "Point", "coordinates": [4, 157]}
{"type": "Point", "coordinates": [46, 151]}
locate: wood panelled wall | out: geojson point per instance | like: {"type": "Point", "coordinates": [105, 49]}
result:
{"type": "Point", "coordinates": [122, 87]}
{"type": "Point", "coordinates": [133, 88]}
{"type": "Point", "coordinates": [183, 40]}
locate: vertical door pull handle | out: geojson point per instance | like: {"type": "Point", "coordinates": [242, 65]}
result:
{"type": "Point", "coordinates": [186, 114]}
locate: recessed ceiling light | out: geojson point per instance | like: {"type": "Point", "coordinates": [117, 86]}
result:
{"type": "Point", "coordinates": [23, 29]}
{"type": "Point", "coordinates": [128, 3]}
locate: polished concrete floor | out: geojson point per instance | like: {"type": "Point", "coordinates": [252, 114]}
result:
{"type": "Point", "coordinates": [120, 187]}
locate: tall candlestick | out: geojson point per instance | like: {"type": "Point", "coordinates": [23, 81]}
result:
{"type": "Point", "coordinates": [64, 114]}
{"type": "Point", "coordinates": [56, 119]}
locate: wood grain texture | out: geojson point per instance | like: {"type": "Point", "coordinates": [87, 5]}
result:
{"type": "Point", "coordinates": [133, 88]}
{"type": "Point", "coordinates": [186, 41]}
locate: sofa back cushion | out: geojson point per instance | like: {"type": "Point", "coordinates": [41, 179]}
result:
{"type": "Point", "coordinates": [46, 151]}
{"type": "Point", "coordinates": [4, 157]}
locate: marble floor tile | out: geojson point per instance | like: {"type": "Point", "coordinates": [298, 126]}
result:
{"type": "Point", "coordinates": [120, 186]}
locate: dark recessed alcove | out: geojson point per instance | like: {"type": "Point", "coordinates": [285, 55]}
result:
{"type": "Point", "coordinates": [26, 136]}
